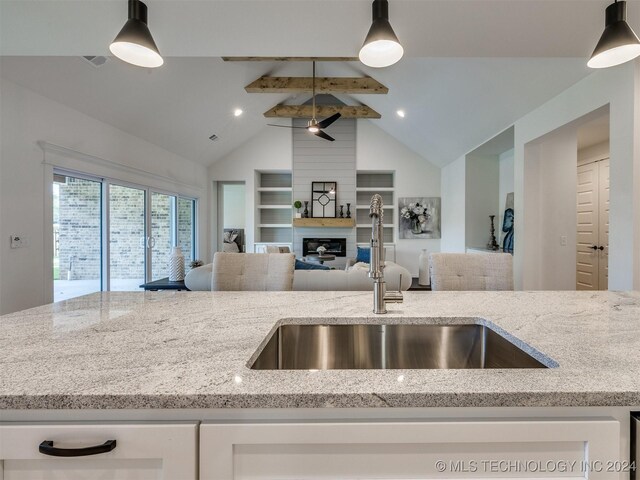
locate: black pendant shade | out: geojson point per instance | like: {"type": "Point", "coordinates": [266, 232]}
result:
{"type": "Point", "coordinates": [134, 44]}
{"type": "Point", "coordinates": [618, 43]}
{"type": "Point", "coordinates": [381, 47]}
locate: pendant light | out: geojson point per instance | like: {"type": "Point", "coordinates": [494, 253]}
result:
{"type": "Point", "coordinates": [618, 43]}
{"type": "Point", "coordinates": [381, 48]}
{"type": "Point", "coordinates": [134, 44]}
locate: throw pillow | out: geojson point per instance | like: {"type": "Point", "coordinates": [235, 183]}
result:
{"type": "Point", "coordinates": [364, 255]}
{"type": "Point", "coordinates": [300, 265]}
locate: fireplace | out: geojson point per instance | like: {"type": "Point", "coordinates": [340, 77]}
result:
{"type": "Point", "coordinates": [334, 246]}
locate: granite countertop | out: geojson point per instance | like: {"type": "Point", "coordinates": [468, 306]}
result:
{"type": "Point", "coordinates": [191, 350]}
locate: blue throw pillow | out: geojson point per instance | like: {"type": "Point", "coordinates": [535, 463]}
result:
{"type": "Point", "coordinates": [364, 255]}
{"type": "Point", "coordinates": [300, 265]}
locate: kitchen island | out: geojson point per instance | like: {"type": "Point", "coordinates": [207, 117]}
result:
{"type": "Point", "coordinates": [156, 357]}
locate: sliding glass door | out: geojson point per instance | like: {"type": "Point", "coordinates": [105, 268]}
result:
{"type": "Point", "coordinates": [127, 238]}
{"type": "Point", "coordinates": [77, 233]}
{"type": "Point", "coordinates": [110, 236]}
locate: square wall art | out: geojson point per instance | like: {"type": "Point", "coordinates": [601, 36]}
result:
{"type": "Point", "coordinates": [419, 217]}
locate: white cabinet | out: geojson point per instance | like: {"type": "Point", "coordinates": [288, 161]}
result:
{"type": "Point", "coordinates": [142, 451]}
{"type": "Point", "coordinates": [392, 450]}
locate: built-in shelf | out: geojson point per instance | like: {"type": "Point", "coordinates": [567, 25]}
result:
{"type": "Point", "coordinates": [368, 225]}
{"type": "Point", "coordinates": [367, 207]}
{"type": "Point", "coordinates": [274, 189]}
{"type": "Point", "coordinates": [324, 222]}
{"type": "Point", "coordinates": [374, 189]}
{"type": "Point", "coordinates": [274, 211]}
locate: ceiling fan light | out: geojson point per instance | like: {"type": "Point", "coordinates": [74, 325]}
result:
{"type": "Point", "coordinates": [381, 47]}
{"type": "Point", "coordinates": [134, 44]}
{"type": "Point", "coordinates": [313, 128]}
{"type": "Point", "coordinates": [618, 43]}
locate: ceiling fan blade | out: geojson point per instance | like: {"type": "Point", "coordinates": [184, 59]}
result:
{"type": "Point", "coordinates": [328, 121]}
{"type": "Point", "coordinates": [283, 126]}
{"type": "Point", "coordinates": [321, 134]}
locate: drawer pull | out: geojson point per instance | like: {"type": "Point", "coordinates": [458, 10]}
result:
{"type": "Point", "coordinates": [47, 448]}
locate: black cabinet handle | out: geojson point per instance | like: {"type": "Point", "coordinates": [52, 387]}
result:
{"type": "Point", "coordinates": [600, 247]}
{"type": "Point", "coordinates": [47, 448]}
{"type": "Point", "coordinates": [593, 247]}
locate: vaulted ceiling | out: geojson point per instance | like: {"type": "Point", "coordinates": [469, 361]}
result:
{"type": "Point", "coordinates": [472, 67]}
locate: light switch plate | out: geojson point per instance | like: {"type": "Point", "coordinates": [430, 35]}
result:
{"type": "Point", "coordinates": [563, 240]}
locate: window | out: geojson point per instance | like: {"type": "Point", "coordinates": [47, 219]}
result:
{"type": "Point", "coordinates": [111, 236]}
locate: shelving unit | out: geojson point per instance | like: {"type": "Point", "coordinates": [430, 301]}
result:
{"type": "Point", "coordinates": [274, 210]}
{"type": "Point", "coordinates": [367, 184]}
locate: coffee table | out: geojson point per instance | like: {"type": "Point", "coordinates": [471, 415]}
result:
{"type": "Point", "coordinates": [327, 257]}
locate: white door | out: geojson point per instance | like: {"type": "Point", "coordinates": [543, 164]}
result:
{"type": "Point", "coordinates": [603, 237]}
{"type": "Point", "coordinates": [587, 259]}
{"type": "Point", "coordinates": [98, 451]}
{"type": "Point", "coordinates": [593, 226]}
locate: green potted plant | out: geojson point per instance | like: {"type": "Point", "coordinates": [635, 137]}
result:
{"type": "Point", "coordinates": [298, 205]}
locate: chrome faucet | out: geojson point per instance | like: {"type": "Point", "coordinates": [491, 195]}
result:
{"type": "Point", "coordinates": [376, 265]}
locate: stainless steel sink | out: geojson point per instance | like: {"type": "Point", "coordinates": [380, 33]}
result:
{"type": "Point", "coordinates": [366, 346]}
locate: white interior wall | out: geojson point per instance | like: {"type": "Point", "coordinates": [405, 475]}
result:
{"type": "Point", "coordinates": [593, 153]}
{"type": "Point", "coordinates": [415, 177]}
{"type": "Point", "coordinates": [505, 186]}
{"type": "Point", "coordinates": [271, 149]}
{"type": "Point", "coordinates": [619, 88]}
{"type": "Point", "coordinates": [26, 276]}
{"type": "Point", "coordinates": [552, 167]}
{"type": "Point", "coordinates": [482, 185]}
{"type": "Point", "coordinates": [234, 208]}
{"type": "Point", "coordinates": [453, 206]}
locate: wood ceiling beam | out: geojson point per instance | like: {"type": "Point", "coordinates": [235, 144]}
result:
{"type": "Point", "coordinates": [290, 59]}
{"type": "Point", "coordinates": [322, 111]}
{"type": "Point", "coordinates": [350, 85]}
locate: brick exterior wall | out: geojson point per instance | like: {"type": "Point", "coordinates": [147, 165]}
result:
{"type": "Point", "coordinates": [79, 231]}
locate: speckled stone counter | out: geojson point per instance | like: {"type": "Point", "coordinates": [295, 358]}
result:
{"type": "Point", "coordinates": [191, 350]}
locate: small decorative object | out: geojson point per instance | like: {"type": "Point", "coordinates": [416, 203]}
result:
{"type": "Point", "coordinates": [321, 250]}
{"type": "Point", "coordinates": [419, 217]}
{"type": "Point", "coordinates": [305, 214]}
{"type": "Point", "coordinates": [348, 210]}
{"type": "Point", "coordinates": [195, 264]}
{"type": "Point", "coordinates": [493, 244]}
{"type": "Point", "coordinates": [298, 205]}
{"type": "Point", "coordinates": [507, 227]}
{"type": "Point", "coordinates": [232, 240]}
{"type": "Point", "coordinates": [323, 199]}
{"type": "Point", "coordinates": [341, 211]}
{"type": "Point", "coordinates": [176, 265]}
{"type": "Point", "coordinates": [423, 268]}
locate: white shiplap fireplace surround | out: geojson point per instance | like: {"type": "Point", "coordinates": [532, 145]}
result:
{"type": "Point", "coordinates": [317, 160]}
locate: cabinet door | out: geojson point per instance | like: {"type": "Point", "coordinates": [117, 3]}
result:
{"type": "Point", "coordinates": [142, 451]}
{"type": "Point", "coordinates": [501, 449]}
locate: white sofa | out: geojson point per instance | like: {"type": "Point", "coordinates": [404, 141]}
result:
{"type": "Point", "coordinates": [354, 279]}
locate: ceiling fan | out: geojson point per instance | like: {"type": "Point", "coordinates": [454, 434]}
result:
{"type": "Point", "coordinates": [314, 126]}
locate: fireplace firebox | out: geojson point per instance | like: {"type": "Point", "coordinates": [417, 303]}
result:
{"type": "Point", "coordinates": [334, 246]}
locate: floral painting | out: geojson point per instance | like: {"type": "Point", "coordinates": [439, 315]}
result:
{"type": "Point", "coordinates": [419, 217]}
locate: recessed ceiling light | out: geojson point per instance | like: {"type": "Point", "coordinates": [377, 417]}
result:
{"type": "Point", "coordinates": [237, 112]}
{"type": "Point", "coordinates": [400, 113]}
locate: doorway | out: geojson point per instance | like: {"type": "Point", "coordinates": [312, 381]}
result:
{"type": "Point", "coordinates": [592, 249]}
{"type": "Point", "coordinates": [231, 217]}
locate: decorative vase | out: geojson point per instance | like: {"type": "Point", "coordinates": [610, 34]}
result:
{"type": "Point", "coordinates": [348, 210]}
{"type": "Point", "coordinates": [305, 214]}
{"type": "Point", "coordinates": [176, 265]}
{"type": "Point", "coordinates": [298, 215]}
{"type": "Point", "coordinates": [423, 268]}
{"type": "Point", "coordinates": [415, 226]}
{"type": "Point", "coordinates": [341, 211]}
